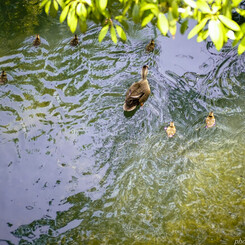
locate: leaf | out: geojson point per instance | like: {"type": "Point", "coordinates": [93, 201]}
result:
{"type": "Point", "coordinates": [73, 23]}
{"type": "Point", "coordinates": [162, 23]}
{"type": "Point", "coordinates": [88, 2]}
{"type": "Point", "coordinates": [147, 19]}
{"type": "Point", "coordinates": [236, 3]}
{"type": "Point", "coordinates": [230, 34]}
{"type": "Point", "coordinates": [241, 12]}
{"type": "Point", "coordinates": [135, 13]}
{"type": "Point", "coordinates": [241, 46]}
{"type": "Point", "coordinates": [81, 10]}
{"type": "Point", "coordinates": [83, 25]}
{"type": "Point", "coordinates": [43, 3]}
{"type": "Point", "coordinates": [229, 23]}
{"type": "Point", "coordinates": [103, 32]}
{"type": "Point", "coordinates": [113, 34]}
{"type": "Point", "coordinates": [149, 6]}
{"type": "Point", "coordinates": [198, 28]}
{"type": "Point", "coordinates": [202, 35]}
{"type": "Point", "coordinates": [102, 4]}
{"type": "Point", "coordinates": [61, 3]}
{"type": "Point", "coordinates": [56, 6]}
{"type": "Point", "coordinates": [184, 26]}
{"type": "Point", "coordinates": [175, 9]}
{"type": "Point", "coordinates": [215, 32]}
{"type": "Point", "coordinates": [203, 6]}
{"type": "Point", "coordinates": [70, 16]}
{"type": "Point", "coordinates": [64, 13]}
{"type": "Point", "coordinates": [47, 7]}
{"type": "Point", "coordinates": [121, 33]}
{"type": "Point", "coordinates": [191, 3]}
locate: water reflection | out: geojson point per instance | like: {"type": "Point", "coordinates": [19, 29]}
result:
{"type": "Point", "coordinates": [75, 168]}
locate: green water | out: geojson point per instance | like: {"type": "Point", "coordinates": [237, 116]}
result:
{"type": "Point", "coordinates": [76, 170]}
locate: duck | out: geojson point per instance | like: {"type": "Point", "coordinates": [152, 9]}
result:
{"type": "Point", "coordinates": [171, 130]}
{"type": "Point", "coordinates": [37, 41]}
{"type": "Point", "coordinates": [3, 78]}
{"type": "Point", "coordinates": [74, 41]}
{"type": "Point", "coordinates": [210, 120]}
{"type": "Point", "coordinates": [150, 46]}
{"type": "Point", "coordinates": [138, 92]}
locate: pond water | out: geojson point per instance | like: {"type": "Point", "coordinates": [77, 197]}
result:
{"type": "Point", "coordinates": [75, 169]}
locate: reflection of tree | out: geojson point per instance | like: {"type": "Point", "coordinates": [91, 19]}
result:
{"type": "Point", "coordinates": [18, 16]}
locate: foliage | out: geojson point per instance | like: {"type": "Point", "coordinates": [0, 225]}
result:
{"type": "Point", "coordinates": [214, 18]}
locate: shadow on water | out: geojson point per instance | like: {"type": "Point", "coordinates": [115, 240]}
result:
{"type": "Point", "coordinates": [76, 168]}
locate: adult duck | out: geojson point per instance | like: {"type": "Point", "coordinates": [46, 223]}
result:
{"type": "Point", "coordinates": [138, 92]}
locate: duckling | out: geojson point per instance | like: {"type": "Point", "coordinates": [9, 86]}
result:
{"type": "Point", "coordinates": [74, 41]}
{"type": "Point", "coordinates": [171, 130]}
{"type": "Point", "coordinates": [37, 41]}
{"type": "Point", "coordinates": [150, 46]}
{"type": "Point", "coordinates": [210, 120]}
{"type": "Point", "coordinates": [138, 92]}
{"type": "Point", "coordinates": [3, 78]}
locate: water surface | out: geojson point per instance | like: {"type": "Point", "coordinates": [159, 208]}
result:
{"type": "Point", "coordinates": [76, 170]}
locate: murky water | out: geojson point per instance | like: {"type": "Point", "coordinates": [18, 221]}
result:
{"type": "Point", "coordinates": [76, 170]}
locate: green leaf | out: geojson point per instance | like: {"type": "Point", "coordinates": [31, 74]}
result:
{"type": "Point", "coordinates": [121, 33]}
{"type": "Point", "coordinates": [47, 7]}
{"type": "Point", "coordinates": [236, 2]}
{"type": "Point", "coordinates": [83, 25]}
{"type": "Point", "coordinates": [135, 13]}
{"type": "Point", "coordinates": [191, 3]}
{"type": "Point", "coordinates": [184, 26]}
{"type": "Point", "coordinates": [103, 32]}
{"type": "Point", "coordinates": [216, 33]}
{"type": "Point", "coordinates": [43, 3]}
{"type": "Point", "coordinates": [113, 34]}
{"type": "Point", "coordinates": [88, 2]}
{"type": "Point", "coordinates": [102, 4]}
{"type": "Point", "coordinates": [175, 9]}
{"type": "Point", "coordinates": [73, 24]}
{"type": "Point", "coordinates": [229, 23]}
{"type": "Point", "coordinates": [241, 12]}
{"type": "Point", "coordinates": [202, 35]}
{"type": "Point", "coordinates": [241, 46]}
{"type": "Point", "coordinates": [61, 3]}
{"type": "Point", "coordinates": [203, 6]}
{"type": "Point", "coordinates": [198, 28]}
{"type": "Point", "coordinates": [148, 6]}
{"type": "Point", "coordinates": [162, 23]}
{"type": "Point", "coordinates": [147, 19]}
{"type": "Point", "coordinates": [70, 17]}
{"type": "Point", "coordinates": [56, 6]}
{"type": "Point", "coordinates": [81, 10]}
{"type": "Point", "coordinates": [64, 13]}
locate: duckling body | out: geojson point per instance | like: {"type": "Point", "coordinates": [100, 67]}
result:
{"type": "Point", "coordinates": [210, 120]}
{"type": "Point", "coordinates": [138, 92]}
{"type": "Point", "coordinates": [150, 46]}
{"type": "Point", "coordinates": [37, 41]}
{"type": "Point", "coordinates": [3, 78]}
{"type": "Point", "coordinates": [74, 41]}
{"type": "Point", "coordinates": [171, 130]}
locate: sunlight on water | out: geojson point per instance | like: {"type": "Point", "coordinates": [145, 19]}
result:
{"type": "Point", "coordinates": [75, 168]}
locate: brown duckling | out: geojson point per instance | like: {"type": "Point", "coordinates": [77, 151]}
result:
{"type": "Point", "coordinates": [171, 130]}
{"type": "Point", "coordinates": [3, 78]}
{"type": "Point", "coordinates": [150, 46]}
{"type": "Point", "coordinates": [37, 41]}
{"type": "Point", "coordinates": [210, 120]}
{"type": "Point", "coordinates": [74, 41]}
{"type": "Point", "coordinates": [138, 92]}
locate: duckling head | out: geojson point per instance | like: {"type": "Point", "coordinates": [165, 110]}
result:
{"type": "Point", "coordinates": [171, 124]}
{"type": "Point", "coordinates": [211, 114]}
{"type": "Point", "coordinates": [75, 36]}
{"type": "Point", "coordinates": [152, 41]}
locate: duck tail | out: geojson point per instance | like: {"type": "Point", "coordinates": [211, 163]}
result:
{"type": "Point", "coordinates": [128, 108]}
